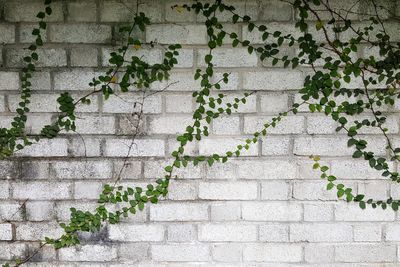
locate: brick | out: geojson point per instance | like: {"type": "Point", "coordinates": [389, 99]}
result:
{"type": "Point", "coordinates": [41, 81]}
{"type": "Point", "coordinates": [80, 33]}
{"type": "Point", "coordinates": [146, 54]}
{"type": "Point", "coordinates": [181, 253]}
{"type": "Point", "coordinates": [374, 189]}
{"type": "Point", "coordinates": [178, 103]}
{"type": "Point", "coordinates": [274, 103]}
{"type": "Point", "coordinates": [276, 11]}
{"type": "Point", "coordinates": [154, 168]}
{"type": "Point", "coordinates": [181, 233]}
{"type": "Point", "coordinates": [227, 252]}
{"type": "Point", "coordinates": [39, 102]}
{"type": "Point", "coordinates": [2, 104]}
{"type": "Point", "coordinates": [87, 190]}
{"type": "Point", "coordinates": [4, 190]}
{"type": "Point", "coordinates": [74, 80]}
{"type": "Point", "coordinates": [288, 125]}
{"type": "Point", "coordinates": [9, 80]}
{"type": "Point", "coordinates": [42, 190]}
{"type": "Point", "coordinates": [179, 212]}
{"type": "Point", "coordinates": [46, 148]}
{"type": "Point", "coordinates": [169, 124]}
{"type": "Point", "coordinates": [365, 253]}
{"type": "Point", "coordinates": [313, 190]}
{"type": "Point", "coordinates": [9, 251]}
{"type": "Point", "coordinates": [177, 15]}
{"type": "Point", "coordinates": [233, 80]}
{"type": "Point", "coordinates": [278, 80]}
{"type": "Point", "coordinates": [250, 8]}
{"type": "Point", "coordinates": [39, 211]}
{"type": "Point", "coordinates": [355, 169]}
{"type": "Point", "coordinates": [21, 11]}
{"type": "Point", "coordinates": [228, 57]}
{"type": "Point", "coordinates": [271, 211]}
{"type": "Point", "coordinates": [116, 11]}
{"type": "Point", "coordinates": [274, 233]}
{"type": "Point", "coordinates": [229, 125]}
{"type": "Point", "coordinates": [50, 57]}
{"type": "Point", "coordinates": [88, 124]}
{"type": "Point", "coordinates": [275, 190]}
{"type": "Point", "coordinates": [11, 211]}
{"type": "Point", "coordinates": [82, 169]}
{"type": "Point", "coordinates": [285, 28]}
{"type": "Point", "coordinates": [30, 231]}
{"type": "Point", "coordinates": [320, 233]}
{"type": "Point", "coordinates": [172, 34]}
{"type": "Point", "coordinates": [249, 107]}
{"type": "Point", "coordinates": [319, 253]}
{"type": "Point", "coordinates": [227, 232]}
{"type": "Point", "coordinates": [275, 145]}
{"type": "Point", "coordinates": [352, 213]}
{"type": "Point", "coordinates": [225, 211]}
{"type": "Point", "coordinates": [251, 169]}
{"type": "Point", "coordinates": [7, 33]}
{"type": "Point", "coordinates": [25, 33]}
{"type": "Point", "coordinates": [273, 253]}
{"type": "Point", "coordinates": [232, 190]}
{"type": "Point", "coordinates": [84, 57]}
{"type": "Point", "coordinates": [180, 190]}
{"type": "Point", "coordinates": [6, 231]}
{"type": "Point", "coordinates": [131, 169]}
{"type": "Point", "coordinates": [140, 148]}
{"type": "Point", "coordinates": [136, 233]}
{"type": "Point", "coordinates": [100, 253]}
{"type": "Point", "coordinates": [137, 252]}
{"type": "Point", "coordinates": [318, 212]}
{"type": "Point", "coordinates": [85, 146]}
{"type": "Point", "coordinates": [82, 11]}
{"type": "Point", "coordinates": [208, 146]}
{"type": "Point", "coordinates": [190, 148]}
{"type": "Point", "coordinates": [114, 104]}
{"type": "Point", "coordinates": [62, 209]}
{"type": "Point", "coordinates": [367, 233]}
{"type": "Point", "coordinates": [323, 146]}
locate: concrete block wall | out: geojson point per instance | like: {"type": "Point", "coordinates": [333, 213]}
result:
{"type": "Point", "coordinates": [267, 208]}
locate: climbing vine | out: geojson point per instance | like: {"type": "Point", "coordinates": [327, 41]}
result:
{"type": "Point", "coordinates": [321, 92]}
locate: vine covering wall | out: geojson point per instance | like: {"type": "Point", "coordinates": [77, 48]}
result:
{"type": "Point", "coordinates": [266, 207]}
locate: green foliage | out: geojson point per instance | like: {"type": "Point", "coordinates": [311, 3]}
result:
{"type": "Point", "coordinates": [321, 92]}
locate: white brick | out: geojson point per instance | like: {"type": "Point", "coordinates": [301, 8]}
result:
{"type": "Point", "coordinates": [318, 212]}
{"type": "Point", "coordinates": [25, 33]}
{"type": "Point", "coordinates": [178, 103]}
{"type": "Point", "coordinates": [355, 169]}
{"type": "Point", "coordinates": [95, 124]}
{"type": "Point", "coordinates": [319, 253]}
{"type": "Point", "coordinates": [140, 148]}
{"type": "Point", "coordinates": [351, 212]}
{"type": "Point", "coordinates": [277, 80]}
{"type": "Point", "coordinates": [274, 103]}
{"type": "Point", "coordinates": [9, 251]}
{"type": "Point", "coordinates": [249, 107]}
{"type": "Point", "coordinates": [181, 232]}
{"type": "Point", "coordinates": [176, 34]}
{"type": "Point", "coordinates": [273, 145]}
{"type": "Point", "coordinates": [74, 80]}
{"type": "Point", "coordinates": [80, 33]}
{"type": "Point", "coordinates": [9, 80]}
{"type": "Point", "coordinates": [37, 231]}
{"type": "Point", "coordinates": [227, 232]}
{"type": "Point", "coordinates": [2, 104]}
{"type": "Point", "coordinates": [228, 57]}
{"type": "Point", "coordinates": [131, 169]}
{"type": "Point", "coordinates": [179, 212]}
{"type": "Point", "coordinates": [4, 190]}
{"type": "Point", "coordinates": [82, 11]}
{"type": "Point", "coordinates": [21, 10]}
{"type": "Point", "coordinates": [42, 190]}
{"type": "Point", "coordinates": [133, 252]}
{"type": "Point", "coordinates": [63, 212]}
{"type": "Point", "coordinates": [273, 253]}
{"type": "Point", "coordinates": [285, 28]}
{"type": "Point", "coordinates": [392, 232]}
{"type": "Point", "coordinates": [155, 168]}
{"type": "Point", "coordinates": [367, 233]}
{"type": "Point", "coordinates": [7, 33]}
{"type": "Point", "coordinates": [85, 146]}
{"type": "Point", "coordinates": [114, 104]}
{"type": "Point", "coordinates": [181, 253]}
{"type": "Point", "coordinates": [374, 189]}
{"type": "Point", "coordinates": [174, 15]}
{"type": "Point", "coordinates": [46, 148]}
{"type": "Point", "coordinates": [136, 233]}
{"type": "Point", "coordinates": [365, 253]}
{"type": "Point", "coordinates": [87, 190]}
{"type": "Point", "coordinates": [225, 211]}
{"type": "Point", "coordinates": [40, 210]}
{"type": "Point", "coordinates": [288, 125]}
{"type": "Point", "coordinates": [6, 231]}
{"type": "Point", "coordinates": [227, 252]}
{"type": "Point", "coordinates": [226, 125]}
{"type": "Point", "coordinates": [178, 81]}
{"type": "Point", "coordinates": [84, 57]}
{"type": "Point", "coordinates": [233, 80]}
{"type": "Point", "coordinates": [315, 190]}
{"type": "Point", "coordinates": [169, 125]}
{"type": "Point", "coordinates": [11, 211]}
{"type": "Point", "coordinates": [82, 169]}
{"type": "Point", "coordinates": [324, 146]}
{"type": "Point", "coordinates": [147, 54]}
{"type": "Point", "coordinates": [180, 190]}
{"type": "Point", "coordinates": [276, 10]}
{"type": "Point", "coordinates": [271, 211]}
{"type": "Point", "coordinates": [100, 253]}
{"type": "Point", "coordinates": [275, 190]}
{"type": "Point", "coordinates": [117, 11]}
{"type": "Point", "coordinates": [232, 190]}
{"type": "Point", "coordinates": [50, 57]}
{"type": "Point", "coordinates": [321, 233]}
{"type": "Point", "coordinates": [274, 233]}
{"type": "Point", "coordinates": [208, 146]}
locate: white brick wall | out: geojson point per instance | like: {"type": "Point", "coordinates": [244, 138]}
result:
{"type": "Point", "coordinates": [268, 208]}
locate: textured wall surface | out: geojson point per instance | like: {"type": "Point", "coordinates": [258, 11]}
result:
{"type": "Point", "coordinates": [265, 209]}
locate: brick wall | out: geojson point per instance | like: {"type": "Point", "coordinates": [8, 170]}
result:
{"type": "Point", "coordinates": [265, 209]}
